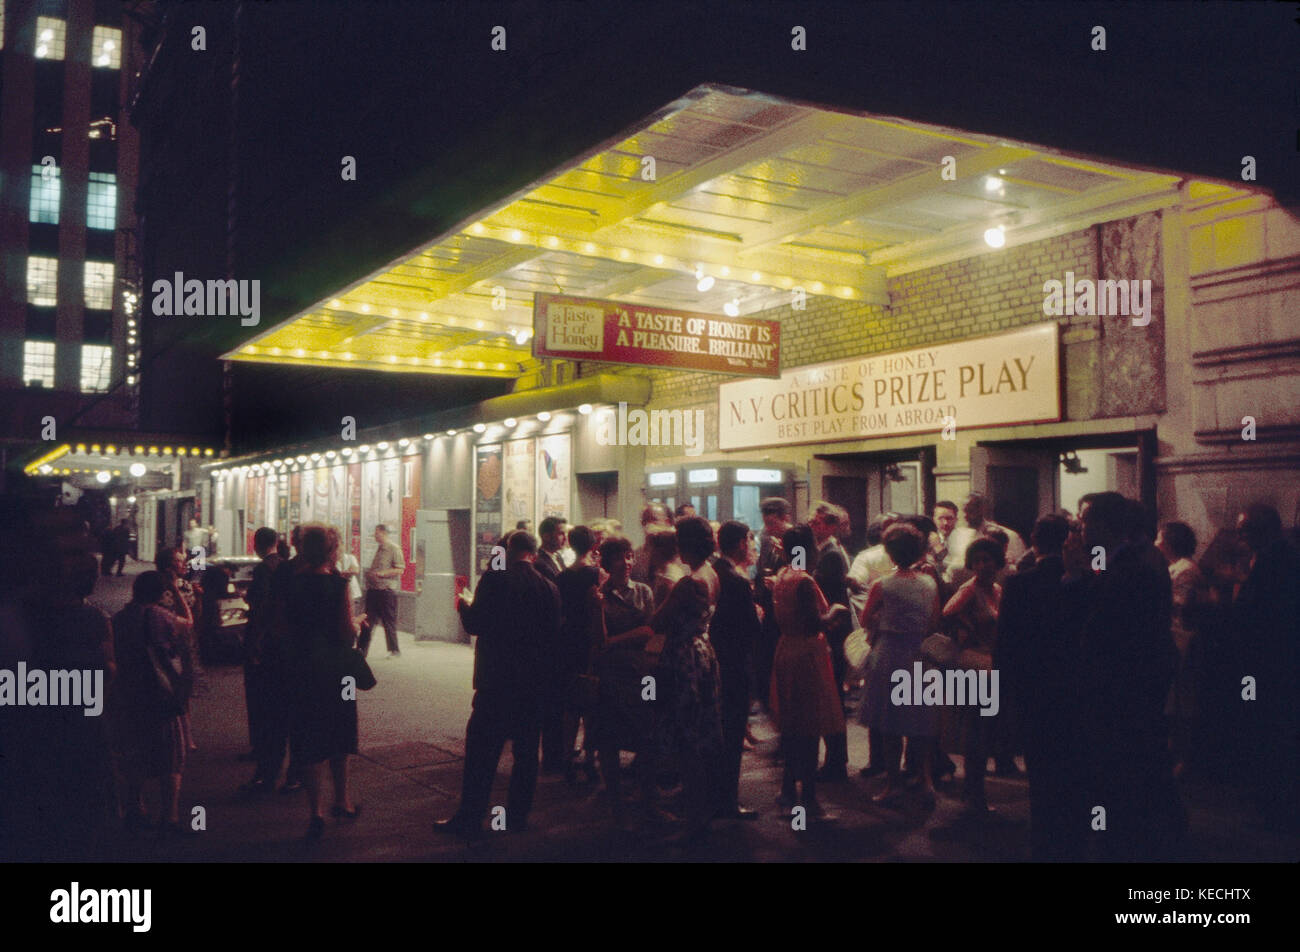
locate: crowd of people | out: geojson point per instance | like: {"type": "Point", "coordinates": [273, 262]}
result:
{"type": "Point", "coordinates": [1123, 662]}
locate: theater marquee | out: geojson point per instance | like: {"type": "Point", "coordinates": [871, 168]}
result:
{"type": "Point", "coordinates": [991, 381]}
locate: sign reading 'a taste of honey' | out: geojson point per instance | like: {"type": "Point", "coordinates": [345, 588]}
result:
{"type": "Point", "coordinates": [621, 333]}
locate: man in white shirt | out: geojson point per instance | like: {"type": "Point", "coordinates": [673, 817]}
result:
{"type": "Point", "coordinates": [383, 579]}
{"type": "Point", "coordinates": [977, 504]}
{"type": "Point", "coordinates": [873, 562]}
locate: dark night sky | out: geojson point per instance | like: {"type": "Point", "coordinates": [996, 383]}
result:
{"type": "Point", "coordinates": [441, 125]}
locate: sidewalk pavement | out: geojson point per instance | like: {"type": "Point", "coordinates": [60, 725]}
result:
{"type": "Point", "coordinates": [408, 774]}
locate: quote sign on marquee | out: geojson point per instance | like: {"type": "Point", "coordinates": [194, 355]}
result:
{"type": "Point", "coordinates": [991, 381]}
{"type": "Point", "coordinates": [617, 332]}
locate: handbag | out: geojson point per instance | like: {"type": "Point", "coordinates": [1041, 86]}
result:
{"type": "Point", "coordinates": [171, 687]}
{"type": "Point", "coordinates": [856, 649]}
{"type": "Point", "coordinates": [939, 649]}
{"type": "Point", "coordinates": [970, 658]}
{"type": "Point", "coordinates": [359, 670]}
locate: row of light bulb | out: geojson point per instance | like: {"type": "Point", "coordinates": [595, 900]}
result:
{"type": "Point", "coordinates": [294, 461]}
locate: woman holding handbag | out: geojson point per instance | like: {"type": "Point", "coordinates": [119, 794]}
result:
{"type": "Point", "coordinates": [902, 609]}
{"type": "Point", "coordinates": [323, 711]}
{"type": "Point", "coordinates": [155, 674]}
{"type": "Point", "coordinates": [972, 614]}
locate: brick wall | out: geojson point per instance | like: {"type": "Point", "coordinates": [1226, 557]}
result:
{"type": "Point", "coordinates": [975, 297]}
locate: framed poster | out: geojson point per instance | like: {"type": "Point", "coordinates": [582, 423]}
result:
{"type": "Point", "coordinates": [321, 505]}
{"type": "Point", "coordinates": [518, 486]}
{"type": "Point", "coordinates": [390, 495]}
{"type": "Point", "coordinates": [410, 506]}
{"type": "Point", "coordinates": [554, 471]}
{"type": "Point", "coordinates": [354, 507]}
{"type": "Point", "coordinates": [487, 503]}
{"type": "Point", "coordinates": [307, 494]}
{"type": "Point", "coordinates": [370, 477]}
{"type": "Point", "coordinates": [338, 507]}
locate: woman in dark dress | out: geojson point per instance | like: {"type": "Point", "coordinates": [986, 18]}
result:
{"type": "Point", "coordinates": [622, 718]}
{"type": "Point", "coordinates": [148, 640]}
{"type": "Point", "coordinates": [323, 707]}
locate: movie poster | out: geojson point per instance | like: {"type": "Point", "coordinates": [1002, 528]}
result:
{"type": "Point", "coordinates": [354, 508]}
{"type": "Point", "coordinates": [370, 480]}
{"type": "Point", "coordinates": [487, 503]}
{"type": "Point", "coordinates": [554, 472]}
{"type": "Point", "coordinates": [390, 495]}
{"type": "Point", "coordinates": [518, 484]}
{"type": "Point", "coordinates": [307, 495]}
{"type": "Point", "coordinates": [338, 507]}
{"type": "Point", "coordinates": [322, 504]}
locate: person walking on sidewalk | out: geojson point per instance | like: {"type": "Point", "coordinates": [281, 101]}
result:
{"type": "Point", "coordinates": [383, 579]}
{"type": "Point", "coordinates": [516, 616]}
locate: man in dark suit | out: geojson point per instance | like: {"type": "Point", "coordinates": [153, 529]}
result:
{"type": "Point", "coordinates": [1039, 666]}
{"type": "Point", "coordinates": [264, 669]}
{"type": "Point", "coordinates": [516, 616]}
{"type": "Point", "coordinates": [733, 631]}
{"type": "Point", "coordinates": [1266, 630]}
{"type": "Point", "coordinates": [1120, 611]}
{"type": "Point", "coordinates": [549, 562]}
{"type": "Point", "coordinates": [776, 520]}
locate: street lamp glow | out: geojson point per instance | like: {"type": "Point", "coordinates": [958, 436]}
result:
{"type": "Point", "coordinates": [103, 476]}
{"type": "Point", "coordinates": [585, 409]}
{"type": "Point", "coordinates": [544, 416]}
{"type": "Point", "coordinates": [479, 428]}
{"type": "Point", "coordinates": [995, 237]}
{"type": "Point", "coordinates": [137, 470]}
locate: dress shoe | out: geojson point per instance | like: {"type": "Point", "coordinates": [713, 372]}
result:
{"type": "Point", "coordinates": [456, 826]}
{"type": "Point", "coordinates": [290, 786]}
{"type": "Point", "coordinates": [871, 770]}
{"type": "Point", "coordinates": [828, 774]}
{"type": "Point", "coordinates": [338, 811]}
{"type": "Point", "coordinates": [738, 813]}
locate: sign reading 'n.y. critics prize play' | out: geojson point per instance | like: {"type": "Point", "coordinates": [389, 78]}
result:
{"type": "Point", "coordinates": [621, 333]}
{"type": "Point", "coordinates": [991, 381]}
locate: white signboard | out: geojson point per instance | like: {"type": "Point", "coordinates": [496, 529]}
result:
{"type": "Point", "coordinates": [991, 381]}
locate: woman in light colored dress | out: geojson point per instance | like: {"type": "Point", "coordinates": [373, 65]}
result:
{"type": "Point", "coordinates": [902, 609]}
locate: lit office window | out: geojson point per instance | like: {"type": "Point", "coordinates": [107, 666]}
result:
{"type": "Point", "coordinates": [99, 285]}
{"type": "Point", "coordinates": [42, 281]}
{"type": "Point", "coordinates": [106, 47]}
{"type": "Point", "coordinates": [101, 201]}
{"type": "Point", "coordinates": [45, 195]}
{"type": "Point", "coordinates": [50, 34]}
{"type": "Point", "coordinates": [38, 363]}
{"type": "Point", "coordinates": [96, 368]}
